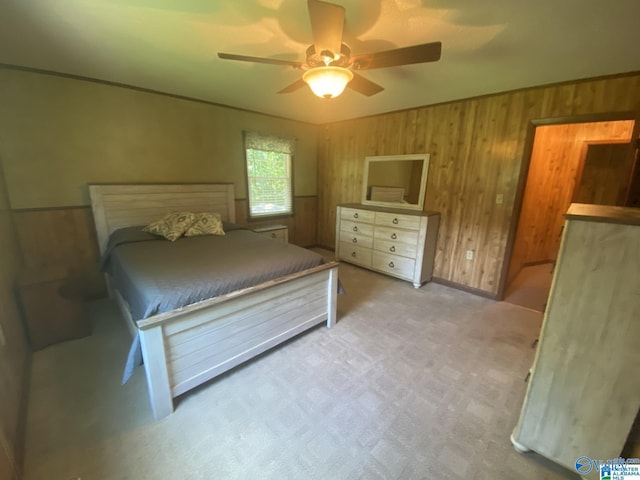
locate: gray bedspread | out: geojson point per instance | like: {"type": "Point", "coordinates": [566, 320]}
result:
{"type": "Point", "coordinates": [157, 276]}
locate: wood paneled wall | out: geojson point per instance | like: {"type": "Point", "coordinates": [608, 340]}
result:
{"type": "Point", "coordinates": [301, 226]}
{"type": "Point", "coordinates": [477, 150]}
{"type": "Point", "coordinates": [57, 237]}
{"type": "Point", "coordinates": [14, 354]}
{"type": "Point", "coordinates": [65, 238]}
{"type": "Point", "coordinates": [556, 164]}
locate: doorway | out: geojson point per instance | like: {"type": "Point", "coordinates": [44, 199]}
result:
{"type": "Point", "coordinates": [573, 160]}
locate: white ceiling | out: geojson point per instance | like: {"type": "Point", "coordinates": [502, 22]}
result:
{"type": "Point", "coordinates": [171, 46]}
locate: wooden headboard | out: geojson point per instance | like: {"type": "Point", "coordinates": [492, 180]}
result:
{"type": "Point", "coordinates": [387, 194]}
{"type": "Point", "coordinates": [126, 205]}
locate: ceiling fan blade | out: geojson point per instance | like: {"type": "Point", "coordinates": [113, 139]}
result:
{"type": "Point", "coordinates": [364, 86]}
{"type": "Point", "coordinates": [293, 87]}
{"type": "Point", "coordinates": [245, 58]}
{"type": "Point", "coordinates": [427, 52]}
{"type": "Point", "coordinates": [327, 23]}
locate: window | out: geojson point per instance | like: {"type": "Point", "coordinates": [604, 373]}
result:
{"type": "Point", "coordinates": [269, 160]}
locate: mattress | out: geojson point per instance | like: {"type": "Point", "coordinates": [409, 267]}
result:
{"type": "Point", "coordinates": [155, 276]}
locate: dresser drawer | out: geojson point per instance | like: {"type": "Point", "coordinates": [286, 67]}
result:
{"type": "Point", "coordinates": [395, 242]}
{"type": "Point", "coordinates": [393, 264]}
{"type": "Point", "coordinates": [395, 248]}
{"type": "Point", "coordinates": [357, 215]}
{"type": "Point", "coordinates": [350, 227]}
{"type": "Point", "coordinates": [408, 222]}
{"type": "Point", "coordinates": [356, 239]}
{"type": "Point", "coordinates": [395, 234]}
{"type": "Point", "coordinates": [355, 254]}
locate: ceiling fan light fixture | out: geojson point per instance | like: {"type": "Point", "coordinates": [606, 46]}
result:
{"type": "Point", "coordinates": [327, 82]}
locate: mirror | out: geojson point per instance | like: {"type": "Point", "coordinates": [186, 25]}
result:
{"type": "Point", "coordinates": [397, 181]}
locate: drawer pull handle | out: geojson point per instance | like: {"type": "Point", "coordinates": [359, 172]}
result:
{"type": "Point", "coordinates": [395, 221]}
{"type": "Point", "coordinates": [353, 254]}
{"type": "Point", "coordinates": [355, 229]}
{"type": "Point", "coordinates": [394, 236]}
{"type": "Point", "coordinates": [391, 265]}
{"type": "Point", "coordinates": [273, 235]}
{"type": "Point", "coordinates": [355, 215]}
{"type": "Point", "coordinates": [355, 240]}
{"type": "Point", "coordinates": [392, 249]}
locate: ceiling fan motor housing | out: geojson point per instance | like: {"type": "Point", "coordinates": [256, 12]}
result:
{"type": "Point", "coordinates": [329, 61]}
{"type": "Point", "coordinates": [327, 57]}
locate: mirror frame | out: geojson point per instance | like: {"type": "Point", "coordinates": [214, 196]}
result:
{"type": "Point", "coordinates": [385, 158]}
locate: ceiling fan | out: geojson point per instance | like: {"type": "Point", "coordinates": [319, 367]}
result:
{"type": "Point", "coordinates": [330, 67]}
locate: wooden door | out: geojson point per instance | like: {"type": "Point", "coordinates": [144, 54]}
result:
{"type": "Point", "coordinates": [633, 194]}
{"type": "Point", "coordinates": [606, 170]}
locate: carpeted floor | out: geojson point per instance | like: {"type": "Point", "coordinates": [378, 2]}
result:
{"type": "Point", "coordinates": [531, 286]}
{"type": "Point", "coordinates": [410, 384]}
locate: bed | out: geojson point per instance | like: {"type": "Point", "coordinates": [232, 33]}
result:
{"type": "Point", "coordinates": [186, 346]}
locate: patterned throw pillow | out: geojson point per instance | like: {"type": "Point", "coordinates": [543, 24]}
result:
{"type": "Point", "coordinates": [205, 224]}
{"type": "Point", "coordinates": [172, 225]}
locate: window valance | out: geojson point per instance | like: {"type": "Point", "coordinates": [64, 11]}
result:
{"type": "Point", "coordinates": [269, 143]}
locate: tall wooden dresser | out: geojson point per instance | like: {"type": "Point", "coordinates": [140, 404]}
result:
{"type": "Point", "coordinates": [396, 242]}
{"type": "Point", "coordinates": [584, 390]}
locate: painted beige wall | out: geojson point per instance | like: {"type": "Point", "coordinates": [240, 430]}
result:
{"type": "Point", "coordinates": [58, 134]}
{"type": "Point", "coordinates": [13, 347]}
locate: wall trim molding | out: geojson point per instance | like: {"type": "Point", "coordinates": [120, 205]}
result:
{"type": "Point", "coordinates": [21, 434]}
{"type": "Point", "coordinates": [46, 209]}
{"type": "Point", "coordinates": [489, 95]}
{"type": "Point", "coordinates": [71, 76]}
{"type": "Point", "coordinates": [441, 281]}
{"type": "Point", "coordinates": [9, 66]}
{"type": "Point", "coordinates": [465, 288]}
{"type": "Point", "coordinates": [537, 262]}
{"type": "Point", "coordinates": [79, 207]}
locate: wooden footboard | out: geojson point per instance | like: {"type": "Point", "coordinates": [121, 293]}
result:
{"type": "Point", "coordinates": [184, 348]}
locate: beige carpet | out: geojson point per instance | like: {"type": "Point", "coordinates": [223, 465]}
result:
{"type": "Point", "coordinates": [410, 384]}
{"type": "Point", "coordinates": [530, 288]}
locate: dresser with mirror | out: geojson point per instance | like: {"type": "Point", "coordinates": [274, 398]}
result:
{"type": "Point", "coordinates": [389, 232]}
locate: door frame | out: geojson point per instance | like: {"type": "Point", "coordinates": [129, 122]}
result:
{"type": "Point", "coordinates": [526, 163]}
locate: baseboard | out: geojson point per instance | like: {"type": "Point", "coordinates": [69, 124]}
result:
{"type": "Point", "coordinates": [465, 288]}
{"type": "Point", "coordinates": [536, 263]}
{"type": "Point", "coordinates": [442, 281]}
{"type": "Point", "coordinates": [21, 433]}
